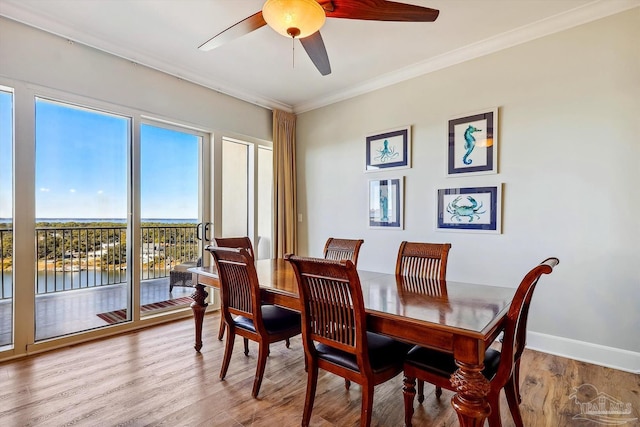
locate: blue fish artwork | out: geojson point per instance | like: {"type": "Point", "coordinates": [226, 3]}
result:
{"type": "Point", "coordinates": [469, 143]}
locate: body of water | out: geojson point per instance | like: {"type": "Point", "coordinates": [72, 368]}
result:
{"type": "Point", "coordinates": [115, 220]}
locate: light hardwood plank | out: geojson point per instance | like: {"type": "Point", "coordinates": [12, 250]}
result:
{"type": "Point", "coordinates": [153, 377]}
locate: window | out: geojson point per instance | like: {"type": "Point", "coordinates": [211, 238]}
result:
{"type": "Point", "coordinates": [235, 188]}
{"type": "Point", "coordinates": [6, 217]}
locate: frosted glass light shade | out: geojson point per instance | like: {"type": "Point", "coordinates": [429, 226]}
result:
{"type": "Point", "coordinates": [294, 18]}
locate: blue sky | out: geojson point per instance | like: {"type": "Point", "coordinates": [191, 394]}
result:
{"type": "Point", "coordinates": [169, 173]}
{"type": "Point", "coordinates": [6, 136]}
{"type": "Point", "coordinates": [81, 165]}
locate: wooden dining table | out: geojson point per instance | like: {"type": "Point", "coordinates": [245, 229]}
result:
{"type": "Point", "coordinates": [460, 318]}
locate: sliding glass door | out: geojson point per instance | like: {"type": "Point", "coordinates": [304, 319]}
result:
{"type": "Point", "coordinates": [172, 224]}
{"type": "Point", "coordinates": [82, 228]}
{"type": "Point", "coordinates": [6, 218]}
{"type": "Point", "coordinates": [122, 210]}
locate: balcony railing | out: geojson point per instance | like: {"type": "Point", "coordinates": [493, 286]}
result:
{"type": "Point", "coordinates": [6, 245]}
{"type": "Point", "coordinates": [77, 257]}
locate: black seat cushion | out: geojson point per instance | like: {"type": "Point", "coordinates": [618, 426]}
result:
{"type": "Point", "coordinates": [444, 365]}
{"type": "Point", "coordinates": [276, 319]}
{"type": "Point", "coordinates": [383, 353]}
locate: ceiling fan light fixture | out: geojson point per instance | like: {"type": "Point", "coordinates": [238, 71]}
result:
{"type": "Point", "coordinates": [294, 18]}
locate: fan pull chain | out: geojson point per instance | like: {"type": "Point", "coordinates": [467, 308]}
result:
{"type": "Point", "coordinates": [293, 32]}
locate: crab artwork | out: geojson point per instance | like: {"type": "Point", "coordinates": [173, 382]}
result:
{"type": "Point", "coordinates": [459, 211]}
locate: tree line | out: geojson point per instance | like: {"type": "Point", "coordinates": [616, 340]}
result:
{"type": "Point", "coordinates": [58, 241]}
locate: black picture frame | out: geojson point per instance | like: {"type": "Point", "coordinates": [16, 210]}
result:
{"type": "Point", "coordinates": [389, 149]}
{"type": "Point", "coordinates": [386, 199]}
{"type": "Point", "coordinates": [473, 144]}
{"type": "Point", "coordinates": [470, 209]}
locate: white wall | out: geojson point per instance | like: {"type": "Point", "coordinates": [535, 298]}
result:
{"type": "Point", "coordinates": [569, 138]}
{"type": "Point", "coordinates": [40, 58]}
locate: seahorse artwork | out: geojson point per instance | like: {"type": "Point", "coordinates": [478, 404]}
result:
{"type": "Point", "coordinates": [385, 153]}
{"type": "Point", "coordinates": [469, 143]}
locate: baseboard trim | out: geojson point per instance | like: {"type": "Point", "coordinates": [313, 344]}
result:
{"type": "Point", "coordinates": [610, 357]}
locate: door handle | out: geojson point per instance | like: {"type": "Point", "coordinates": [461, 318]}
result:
{"type": "Point", "coordinates": [198, 236]}
{"type": "Point", "coordinates": [207, 227]}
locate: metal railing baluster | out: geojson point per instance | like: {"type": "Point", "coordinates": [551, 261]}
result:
{"type": "Point", "coordinates": [57, 254]}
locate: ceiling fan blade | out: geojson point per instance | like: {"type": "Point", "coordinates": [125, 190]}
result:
{"type": "Point", "coordinates": [381, 10]}
{"type": "Point", "coordinates": [314, 45]}
{"type": "Point", "coordinates": [239, 29]}
{"type": "Point", "coordinates": [327, 5]}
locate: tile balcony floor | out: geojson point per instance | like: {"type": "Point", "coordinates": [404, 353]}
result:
{"type": "Point", "coordinates": [62, 313]}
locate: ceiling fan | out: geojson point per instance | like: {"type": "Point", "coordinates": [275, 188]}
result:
{"type": "Point", "coordinates": [303, 19]}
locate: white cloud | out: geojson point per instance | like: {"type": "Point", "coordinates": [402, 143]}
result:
{"type": "Point", "coordinates": [100, 191]}
{"type": "Point", "coordinates": [73, 190]}
{"type": "Point", "coordinates": [45, 190]}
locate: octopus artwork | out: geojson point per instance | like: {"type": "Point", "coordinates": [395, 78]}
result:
{"type": "Point", "coordinates": [386, 153]}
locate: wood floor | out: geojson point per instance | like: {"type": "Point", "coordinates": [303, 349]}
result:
{"type": "Point", "coordinates": [154, 377]}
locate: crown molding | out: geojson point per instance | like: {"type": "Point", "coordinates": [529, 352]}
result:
{"type": "Point", "coordinates": [32, 18]}
{"type": "Point", "coordinates": [564, 21]}
{"type": "Point", "coordinates": [590, 12]}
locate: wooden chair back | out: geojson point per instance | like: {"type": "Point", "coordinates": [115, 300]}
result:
{"type": "Point", "coordinates": [239, 286]}
{"type": "Point", "coordinates": [235, 242]}
{"type": "Point", "coordinates": [334, 332]}
{"type": "Point", "coordinates": [338, 249]}
{"type": "Point", "coordinates": [426, 260]}
{"type": "Point", "coordinates": [332, 306]}
{"type": "Point", "coordinates": [515, 332]}
{"type": "Point", "coordinates": [232, 242]}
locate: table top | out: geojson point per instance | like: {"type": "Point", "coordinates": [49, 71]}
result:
{"type": "Point", "coordinates": [444, 305]}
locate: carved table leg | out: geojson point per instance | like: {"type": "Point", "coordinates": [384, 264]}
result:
{"type": "Point", "coordinates": [199, 306]}
{"type": "Point", "coordinates": [470, 401]}
{"type": "Point", "coordinates": [409, 392]}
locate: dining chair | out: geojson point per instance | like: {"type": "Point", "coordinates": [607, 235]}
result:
{"type": "Point", "coordinates": [334, 331]}
{"type": "Point", "coordinates": [419, 260]}
{"type": "Point", "coordinates": [337, 249]}
{"type": "Point", "coordinates": [233, 242]}
{"type": "Point", "coordinates": [181, 276]}
{"type": "Point", "coordinates": [501, 368]}
{"type": "Point", "coordinates": [254, 321]}
{"type": "Point", "coordinates": [427, 260]}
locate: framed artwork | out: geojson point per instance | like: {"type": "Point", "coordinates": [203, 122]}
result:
{"type": "Point", "coordinates": [473, 144]}
{"type": "Point", "coordinates": [389, 149]}
{"type": "Point", "coordinates": [386, 200]}
{"type": "Point", "coordinates": [472, 209]}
